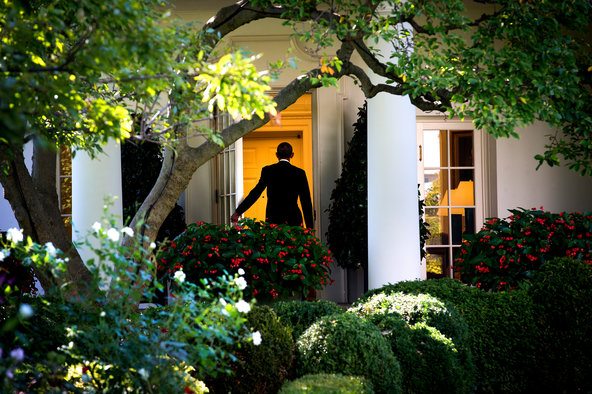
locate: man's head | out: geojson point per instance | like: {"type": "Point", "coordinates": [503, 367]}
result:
{"type": "Point", "coordinates": [284, 151]}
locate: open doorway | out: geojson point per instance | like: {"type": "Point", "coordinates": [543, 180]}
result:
{"type": "Point", "coordinates": [293, 125]}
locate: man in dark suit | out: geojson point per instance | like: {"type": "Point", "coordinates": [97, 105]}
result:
{"type": "Point", "coordinates": [285, 183]}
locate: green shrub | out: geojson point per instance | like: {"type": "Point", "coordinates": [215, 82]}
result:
{"type": "Point", "coordinates": [259, 368]}
{"type": "Point", "coordinates": [507, 252]}
{"type": "Point", "coordinates": [347, 344]}
{"type": "Point", "coordinates": [563, 295]}
{"type": "Point", "coordinates": [423, 333]}
{"type": "Point", "coordinates": [328, 384]}
{"type": "Point", "coordinates": [347, 234]}
{"type": "Point", "coordinates": [299, 315]}
{"type": "Point", "coordinates": [503, 335]}
{"type": "Point", "coordinates": [100, 343]}
{"type": "Point", "coordinates": [278, 260]}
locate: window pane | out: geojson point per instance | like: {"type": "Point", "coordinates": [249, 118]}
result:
{"type": "Point", "coordinates": [66, 195]}
{"type": "Point", "coordinates": [437, 263]}
{"type": "Point", "coordinates": [435, 152]}
{"type": "Point", "coordinates": [437, 218]}
{"type": "Point", "coordinates": [461, 149]}
{"type": "Point", "coordinates": [464, 192]}
{"type": "Point", "coordinates": [435, 182]}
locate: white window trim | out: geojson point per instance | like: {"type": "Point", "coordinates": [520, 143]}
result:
{"type": "Point", "coordinates": [484, 153]}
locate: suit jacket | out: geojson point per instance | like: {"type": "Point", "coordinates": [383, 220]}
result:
{"type": "Point", "coordinates": [285, 183]}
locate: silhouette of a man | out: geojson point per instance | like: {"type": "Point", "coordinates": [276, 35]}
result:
{"type": "Point", "coordinates": [285, 183]}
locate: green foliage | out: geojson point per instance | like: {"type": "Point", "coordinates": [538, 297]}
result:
{"type": "Point", "coordinates": [140, 166]}
{"type": "Point", "coordinates": [508, 252]}
{"type": "Point", "coordinates": [563, 295]}
{"type": "Point", "coordinates": [86, 79]}
{"type": "Point", "coordinates": [502, 66]}
{"type": "Point", "coordinates": [99, 343]}
{"type": "Point", "coordinates": [259, 368]}
{"type": "Point", "coordinates": [504, 337]}
{"type": "Point", "coordinates": [347, 234]}
{"type": "Point", "coordinates": [345, 343]}
{"type": "Point", "coordinates": [15, 277]}
{"type": "Point", "coordinates": [278, 260]}
{"type": "Point", "coordinates": [299, 315]}
{"type": "Point", "coordinates": [322, 383]}
{"type": "Point", "coordinates": [423, 333]}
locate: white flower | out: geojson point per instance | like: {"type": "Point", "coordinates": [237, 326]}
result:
{"type": "Point", "coordinates": [241, 282]}
{"type": "Point", "coordinates": [14, 235]}
{"type": "Point", "coordinates": [152, 245]}
{"type": "Point", "coordinates": [4, 254]}
{"type": "Point", "coordinates": [25, 311]}
{"type": "Point", "coordinates": [96, 227]}
{"type": "Point", "coordinates": [243, 306]}
{"type": "Point", "coordinates": [223, 301]}
{"type": "Point", "coordinates": [256, 338]}
{"type": "Point", "coordinates": [128, 231]}
{"type": "Point", "coordinates": [113, 234]}
{"type": "Point", "coordinates": [179, 276]}
{"type": "Point", "coordinates": [103, 314]}
{"type": "Point", "coordinates": [143, 373]}
{"type": "Point", "coordinates": [51, 250]}
{"type": "Point", "coordinates": [241, 271]}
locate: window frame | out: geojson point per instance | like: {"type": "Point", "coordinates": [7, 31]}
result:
{"type": "Point", "coordinates": [484, 174]}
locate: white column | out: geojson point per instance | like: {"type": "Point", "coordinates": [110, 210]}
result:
{"type": "Point", "coordinates": [93, 180]}
{"type": "Point", "coordinates": [393, 215]}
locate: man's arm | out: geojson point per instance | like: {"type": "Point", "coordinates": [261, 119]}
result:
{"type": "Point", "coordinates": [251, 197]}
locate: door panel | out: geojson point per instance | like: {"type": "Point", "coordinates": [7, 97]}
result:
{"type": "Point", "coordinates": [261, 151]}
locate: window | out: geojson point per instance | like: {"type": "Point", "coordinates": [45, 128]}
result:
{"type": "Point", "coordinates": [450, 185]}
{"type": "Point", "coordinates": [226, 174]}
{"type": "Point", "coordinates": [65, 186]}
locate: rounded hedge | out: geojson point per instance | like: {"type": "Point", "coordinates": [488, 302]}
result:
{"type": "Point", "coordinates": [429, 338]}
{"type": "Point", "coordinates": [259, 368]}
{"type": "Point", "coordinates": [347, 344]}
{"type": "Point", "coordinates": [299, 315]}
{"type": "Point", "coordinates": [503, 334]}
{"type": "Point", "coordinates": [328, 384]}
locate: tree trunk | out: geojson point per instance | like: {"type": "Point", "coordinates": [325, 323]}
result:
{"type": "Point", "coordinates": [35, 203]}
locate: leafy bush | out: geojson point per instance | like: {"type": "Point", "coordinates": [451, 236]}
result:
{"type": "Point", "coordinates": [299, 315]}
{"type": "Point", "coordinates": [16, 278]}
{"type": "Point", "coordinates": [279, 261]}
{"type": "Point", "coordinates": [507, 252]}
{"type": "Point", "coordinates": [259, 368]}
{"type": "Point", "coordinates": [504, 337]}
{"type": "Point", "coordinates": [423, 333]}
{"type": "Point", "coordinates": [563, 295]}
{"type": "Point", "coordinates": [347, 234]}
{"type": "Point", "coordinates": [345, 343]}
{"type": "Point", "coordinates": [328, 384]}
{"type": "Point", "coordinates": [100, 343]}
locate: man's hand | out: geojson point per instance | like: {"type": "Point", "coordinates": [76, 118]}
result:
{"type": "Point", "coordinates": [234, 218]}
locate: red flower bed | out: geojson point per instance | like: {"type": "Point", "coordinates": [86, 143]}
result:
{"type": "Point", "coordinates": [277, 260]}
{"type": "Point", "coordinates": [507, 252]}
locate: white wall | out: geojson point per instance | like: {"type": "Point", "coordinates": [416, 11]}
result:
{"type": "Point", "coordinates": [519, 184]}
